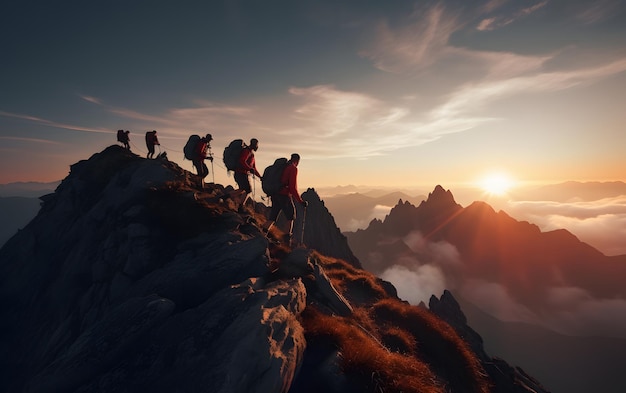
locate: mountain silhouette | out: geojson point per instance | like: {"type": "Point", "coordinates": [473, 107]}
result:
{"type": "Point", "coordinates": [354, 211]}
{"type": "Point", "coordinates": [510, 270]}
{"type": "Point", "coordinates": [497, 248]}
{"type": "Point", "coordinates": [134, 278]}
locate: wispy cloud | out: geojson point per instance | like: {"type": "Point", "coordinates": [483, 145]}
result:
{"type": "Point", "coordinates": [597, 11]}
{"type": "Point", "coordinates": [30, 140]}
{"type": "Point", "coordinates": [54, 124]}
{"type": "Point", "coordinates": [473, 96]}
{"type": "Point", "coordinates": [415, 46]}
{"type": "Point", "coordinates": [499, 21]}
{"type": "Point", "coordinates": [90, 99]}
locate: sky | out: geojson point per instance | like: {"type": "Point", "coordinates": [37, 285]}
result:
{"type": "Point", "coordinates": [394, 93]}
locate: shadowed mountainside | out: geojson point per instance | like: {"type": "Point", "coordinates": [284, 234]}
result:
{"type": "Point", "coordinates": [16, 212]}
{"type": "Point", "coordinates": [513, 271]}
{"type": "Point", "coordinates": [131, 278]}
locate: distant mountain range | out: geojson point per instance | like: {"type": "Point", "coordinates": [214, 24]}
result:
{"type": "Point", "coordinates": [502, 269]}
{"type": "Point", "coordinates": [27, 189]}
{"type": "Point", "coordinates": [572, 190]}
{"type": "Point", "coordinates": [353, 211]}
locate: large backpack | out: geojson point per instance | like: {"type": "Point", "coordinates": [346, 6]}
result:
{"type": "Point", "coordinates": [121, 137]}
{"type": "Point", "coordinates": [271, 182]}
{"type": "Point", "coordinates": [190, 147]}
{"type": "Point", "coordinates": [232, 152]}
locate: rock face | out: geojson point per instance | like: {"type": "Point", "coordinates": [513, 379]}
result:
{"type": "Point", "coordinates": [132, 278]}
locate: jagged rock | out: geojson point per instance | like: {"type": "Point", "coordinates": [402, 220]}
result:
{"type": "Point", "coordinates": [132, 278]}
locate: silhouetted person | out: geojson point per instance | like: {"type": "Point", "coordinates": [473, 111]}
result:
{"type": "Point", "coordinates": [247, 165]}
{"type": "Point", "coordinates": [200, 154]}
{"type": "Point", "coordinates": [126, 139]}
{"type": "Point", "coordinates": [151, 140]}
{"type": "Point", "coordinates": [283, 200]}
{"type": "Point", "coordinates": [122, 136]}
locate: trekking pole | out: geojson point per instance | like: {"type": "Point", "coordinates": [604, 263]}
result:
{"type": "Point", "coordinates": [212, 170]}
{"type": "Point", "coordinates": [303, 222]}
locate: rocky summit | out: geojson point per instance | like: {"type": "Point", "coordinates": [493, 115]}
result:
{"type": "Point", "coordinates": [134, 278]}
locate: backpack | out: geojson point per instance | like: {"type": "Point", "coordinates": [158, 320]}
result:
{"type": "Point", "coordinates": [232, 152]}
{"type": "Point", "coordinates": [121, 137]}
{"type": "Point", "coordinates": [190, 147]}
{"type": "Point", "coordinates": [271, 182]}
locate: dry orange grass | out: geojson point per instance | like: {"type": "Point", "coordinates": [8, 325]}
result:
{"type": "Point", "coordinates": [395, 346]}
{"type": "Point", "coordinates": [436, 342]}
{"type": "Point", "coordinates": [365, 358]}
{"type": "Point", "coordinates": [357, 285]}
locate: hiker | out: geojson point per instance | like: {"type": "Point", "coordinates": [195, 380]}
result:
{"type": "Point", "coordinates": [200, 154]}
{"type": "Point", "coordinates": [283, 200]}
{"type": "Point", "coordinates": [126, 139]}
{"type": "Point", "coordinates": [122, 136]}
{"type": "Point", "coordinates": [151, 140]}
{"type": "Point", "coordinates": [246, 165]}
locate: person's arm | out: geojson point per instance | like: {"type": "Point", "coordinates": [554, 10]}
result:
{"type": "Point", "coordinates": [253, 166]}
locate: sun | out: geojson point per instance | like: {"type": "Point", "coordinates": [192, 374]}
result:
{"type": "Point", "coordinates": [497, 184]}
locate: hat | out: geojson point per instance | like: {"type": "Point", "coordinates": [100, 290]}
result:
{"type": "Point", "coordinates": [209, 137]}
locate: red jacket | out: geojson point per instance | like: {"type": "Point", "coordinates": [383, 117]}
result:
{"type": "Point", "coordinates": [200, 150]}
{"type": "Point", "coordinates": [290, 180]}
{"type": "Point", "coordinates": [247, 162]}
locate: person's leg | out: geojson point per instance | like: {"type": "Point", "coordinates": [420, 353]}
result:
{"type": "Point", "coordinates": [290, 213]}
{"type": "Point", "coordinates": [277, 206]}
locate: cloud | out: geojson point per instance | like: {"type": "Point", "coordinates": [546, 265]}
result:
{"type": "Point", "coordinates": [416, 284]}
{"type": "Point", "coordinates": [377, 212]}
{"type": "Point", "coordinates": [471, 97]}
{"type": "Point", "coordinates": [338, 112]}
{"type": "Point", "coordinates": [597, 11]}
{"type": "Point", "coordinates": [576, 312]}
{"type": "Point", "coordinates": [54, 124]}
{"type": "Point", "coordinates": [602, 223]}
{"type": "Point", "coordinates": [415, 46]}
{"type": "Point", "coordinates": [442, 253]}
{"type": "Point", "coordinates": [496, 22]}
{"type": "Point", "coordinates": [30, 140]}
{"type": "Point", "coordinates": [93, 100]}
{"type": "Point", "coordinates": [567, 310]}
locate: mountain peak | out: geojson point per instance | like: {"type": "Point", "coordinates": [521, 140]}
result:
{"type": "Point", "coordinates": [440, 197]}
{"type": "Point", "coordinates": [133, 274]}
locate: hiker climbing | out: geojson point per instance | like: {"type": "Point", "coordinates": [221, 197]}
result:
{"type": "Point", "coordinates": [283, 198]}
{"type": "Point", "coordinates": [151, 141]}
{"type": "Point", "coordinates": [246, 165]}
{"type": "Point", "coordinates": [123, 136]}
{"type": "Point", "coordinates": [200, 154]}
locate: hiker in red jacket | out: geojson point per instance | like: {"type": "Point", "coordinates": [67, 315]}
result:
{"type": "Point", "coordinates": [247, 165]}
{"type": "Point", "coordinates": [200, 154]}
{"type": "Point", "coordinates": [151, 140]}
{"type": "Point", "coordinates": [284, 199]}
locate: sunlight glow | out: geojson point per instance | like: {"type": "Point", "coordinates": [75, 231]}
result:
{"type": "Point", "coordinates": [497, 184]}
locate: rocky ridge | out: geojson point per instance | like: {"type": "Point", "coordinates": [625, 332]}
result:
{"type": "Point", "coordinates": [131, 278]}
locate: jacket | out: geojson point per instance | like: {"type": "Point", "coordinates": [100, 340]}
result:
{"type": "Point", "coordinates": [290, 180]}
{"type": "Point", "coordinates": [247, 162]}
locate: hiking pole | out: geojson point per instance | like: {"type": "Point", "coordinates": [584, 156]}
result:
{"type": "Point", "coordinates": [212, 170]}
{"type": "Point", "coordinates": [303, 222]}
